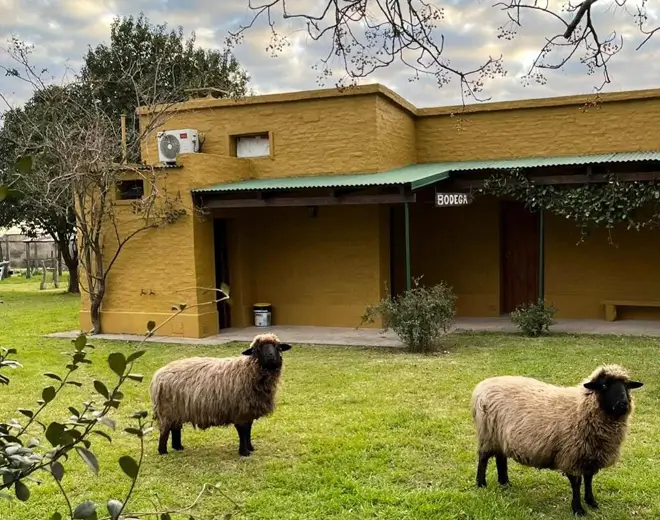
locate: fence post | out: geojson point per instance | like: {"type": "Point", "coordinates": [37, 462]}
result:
{"type": "Point", "coordinates": [59, 260]}
{"type": "Point", "coordinates": [28, 274]}
{"type": "Point", "coordinates": [42, 286]}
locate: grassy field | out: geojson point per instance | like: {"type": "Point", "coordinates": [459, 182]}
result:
{"type": "Point", "coordinates": [359, 433]}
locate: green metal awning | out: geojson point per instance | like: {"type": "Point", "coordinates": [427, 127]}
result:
{"type": "Point", "coordinates": [421, 175]}
{"type": "Point", "coordinates": [413, 174]}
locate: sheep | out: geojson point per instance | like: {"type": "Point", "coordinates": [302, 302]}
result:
{"type": "Point", "coordinates": [575, 430]}
{"type": "Point", "coordinates": [207, 391]}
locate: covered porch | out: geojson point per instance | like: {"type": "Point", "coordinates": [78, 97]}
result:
{"type": "Point", "coordinates": [319, 249]}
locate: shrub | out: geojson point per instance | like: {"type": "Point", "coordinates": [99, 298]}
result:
{"type": "Point", "coordinates": [419, 316]}
{"type": "Point", "coordinates": [533, 318]}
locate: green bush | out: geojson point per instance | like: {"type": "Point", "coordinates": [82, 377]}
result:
{"type": "Point", "coordinates": [533, 318]}
{"type": "Point", "coordinates": [419, 316]}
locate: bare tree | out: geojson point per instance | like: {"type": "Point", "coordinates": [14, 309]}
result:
{"type": "Point", "coordinates": [82, 153]}
{"type": "Point", "coordinates": [366, 35]}
{"type": "Point", "coordinates": [580, 36]}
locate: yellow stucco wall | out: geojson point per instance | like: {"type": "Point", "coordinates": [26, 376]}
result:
{"type": "Point", "coordinates": [308, 137]}
{"type": "Point", "coordinates": [396, 135]}
{"type": "Point", "coordinates": [460, 246]}
{"type": "Point", "coordinates": [321, 270]}
{"type": "Point", "coordinates": [578, 277]}
{"type": "Point", "coordinates": [536, 132]}
{"type": "Point", "coordinates": [325, 270]}
{"type": "Point", "coordinates": [158, 269]}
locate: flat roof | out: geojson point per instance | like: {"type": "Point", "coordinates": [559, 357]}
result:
{"type": "Point", "coordinates": [381, 90]}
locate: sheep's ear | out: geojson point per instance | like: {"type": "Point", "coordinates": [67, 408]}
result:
{"type": "Point", "coordinates": [284, 347]}
{"type": "Point", "coordinates": [635, 384]}
{"type": "Point", "coordinates": [247, 352]}
{"type": "Point", "coordinates": [593, 385]}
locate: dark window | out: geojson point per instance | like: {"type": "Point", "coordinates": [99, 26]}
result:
{"type": "Point", "coordinates": [130, 190]}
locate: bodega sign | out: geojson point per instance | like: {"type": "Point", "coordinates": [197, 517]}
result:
{"type": "Point", "coordinates": [443, 200]}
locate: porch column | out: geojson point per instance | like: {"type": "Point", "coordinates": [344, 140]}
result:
{"type": "Point", "coordinates": [407, 230]}
{"type": "Point", "coordinates": [542, 254]}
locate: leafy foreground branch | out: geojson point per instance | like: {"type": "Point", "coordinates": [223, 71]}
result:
{"type": "Point", "coordinates": [24, 455]}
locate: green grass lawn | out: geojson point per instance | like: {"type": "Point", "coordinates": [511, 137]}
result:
{"type": "Point", "coordinates": [359, 433]}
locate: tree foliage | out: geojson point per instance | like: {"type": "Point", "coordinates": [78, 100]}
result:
{"type": "Point", "coordinates": [363, 36]}
{"type": "Point", "coordinates": [79, 153]}
{"type": "Point", "coordinates": [66, 128]}
{"type": "Point", "coordinates": [39, 203]}
{"type": "Point", "coordinates": [142, 58]}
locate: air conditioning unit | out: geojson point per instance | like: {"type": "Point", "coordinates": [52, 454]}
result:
{"type": "Point", "coordinates": [173, 142]}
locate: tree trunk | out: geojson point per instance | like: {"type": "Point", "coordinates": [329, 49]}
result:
{"type": "Point", "coordinates": [95, 308]}
{"type": "Point", "coordinates": [74, 282]}
{"type": "Point", "coordinates": [70, 257]}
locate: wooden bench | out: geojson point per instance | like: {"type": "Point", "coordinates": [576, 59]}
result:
{"type": "Point", "coordinates": [611, 306]}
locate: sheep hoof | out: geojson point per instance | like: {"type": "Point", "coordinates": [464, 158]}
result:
{"type": "Point", "coordinates": [481, 484]}
{"type": "Point", "coordinates": [178, 448]}
{"type": "Point", "coordinates": [250, 448]}
{"type": "Point", "coordinates": [162, 452]}
{"type": "Point", "coordinates": [579, 511]}
{"type": "Point", "coordinates": [506, 484]}
{"type": "Point", "coordinates": [244, 453]}
{"type": "Point", "coordinates": [592, 503]}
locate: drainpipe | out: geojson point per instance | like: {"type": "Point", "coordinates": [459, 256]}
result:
{"type": "Point", "coordinates": [542, 254]}
{"type": "Point", "coordinates": [407, 226]}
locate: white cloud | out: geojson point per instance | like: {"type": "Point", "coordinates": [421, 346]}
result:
{"type": "Point", "coordinates": [61, 31]}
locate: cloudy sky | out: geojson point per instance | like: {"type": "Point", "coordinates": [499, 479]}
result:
{"type": "Point", "coordinates": [61, 30]}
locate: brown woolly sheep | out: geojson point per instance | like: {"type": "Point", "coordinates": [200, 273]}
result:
{"type": "Point", "coordinates": [207, 391]}
{"type": "Point", "coordinates": [575, 430]}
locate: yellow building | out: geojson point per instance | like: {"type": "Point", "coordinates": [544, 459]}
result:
{"type": "Point", "coordinates": [311, 197]}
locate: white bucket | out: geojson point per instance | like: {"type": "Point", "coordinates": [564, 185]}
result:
{"type": "Point", "coordinates": [262, 315]}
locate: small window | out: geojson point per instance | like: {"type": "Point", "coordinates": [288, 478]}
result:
{"type": "Point", "coordinates": [253, 145]}
{"type": "Point", "coordinates": [130, 190]}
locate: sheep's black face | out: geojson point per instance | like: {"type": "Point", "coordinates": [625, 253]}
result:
{"type": "Point", "coordinates": [613, 394]}
{"type": "Point", "coordinates": [269, 355]}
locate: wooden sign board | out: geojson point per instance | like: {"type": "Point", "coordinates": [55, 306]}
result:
{"type": "Point", "coordinates": [443, 200]}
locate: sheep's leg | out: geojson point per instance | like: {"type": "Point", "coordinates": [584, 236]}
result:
{"type": "Point", "coordinates": [588, 490]}
{"type": "Point", "coordinates": [176, 439]}
{"type": "Point", "coordinates": [481, 468]}
{"type": "Point", "coordinates": [576, 503]}
{"type": "Point", "coordinates": [502, 469]}
{"type": "Point", "coordinates": [248, 429]}
{"type": "Point", "coordinates": [243, 440]}
{"type": "Point", "coordinates": [162, 441]}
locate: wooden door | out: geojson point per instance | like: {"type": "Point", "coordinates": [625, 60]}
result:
{"type": "Point", "coordinates": [221, 248]}
{"type": "Point", "coordinates": [519, 256]}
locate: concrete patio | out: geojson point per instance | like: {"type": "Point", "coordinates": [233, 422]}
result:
{"type": "Point", "coordinates": [376, 338]}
